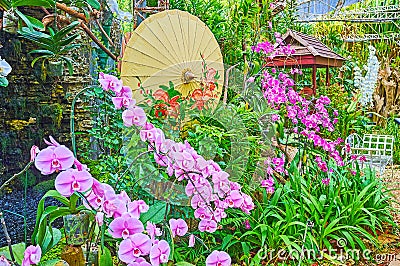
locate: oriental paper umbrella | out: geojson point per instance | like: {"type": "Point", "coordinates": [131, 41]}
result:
{"type": "Point", "coordinates": [172, 46]}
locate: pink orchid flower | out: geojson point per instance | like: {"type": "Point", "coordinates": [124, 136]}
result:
{"type": "Point", "coordinates": [120, 102]}
{"type": "Point", "coordinates": [134, 116]}
{"type": "Point", "coordinates": [125, 92]}
{"type": "Point", "coordinates": [32, 255]}
{"type": "Point", "coordinates": [110, 82]}
{"type": "Point", "coordinates": [125, 226]}
{"type": "Point", "coordinates": [52, 142]}
{"type": "Point", "coordinates": [159, 253]}
{"type": "Point", "coordinates": [99, 218]}
{"type": "Point", "coordinates": [191, 240]}
{"type": "Point", "coordinates": [52, 159]}
{"type": "Point", "coordinates": [136, 207]}
{"type": "Point", "coordinates": [235, 199]}
{"type": "Point", "coordinates": [72, 180]}
{"type": "Point", "coordinates": [218, 258]}
{"type": "Point", "coordinates": [203, 213]}
{"type": "Point", "coordinates": [34, 151]}
{"type": "Point", "coordinates": [4, 261]}
{"type": "Point", "coordinates": [208, 226]}
{"type": "Point", "coordinates": [152, 230]}
{"type": "Point", "coordinates": [139, 262]}
{"type": "Point", "coordinates": [132, 248]}
{"type": "Point", "coordinates": [178, 227]}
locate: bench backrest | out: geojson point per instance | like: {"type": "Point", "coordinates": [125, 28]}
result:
{"type": "Point", "coordinates": [378, 144]}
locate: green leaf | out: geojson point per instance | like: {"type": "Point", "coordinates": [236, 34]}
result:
{"type": "Point", "coordinates": [44, 3]}
{"type": "Point", "coordinates": [18, 251]}
{"type": "Point", "coordinates": [105, 258]}
{"type": "Point", "coordinates": [31, 22]}
{"type": "Point", "coordinates": [155, 214]}
{"type": "Point", "coordinates": [93, 3]}
{"type": "Point", "coordinates": [52, 237]}
{"type": "Point", "coordinates": [3, 82]}
{"type": "Point", "coordinates": [183, 263]}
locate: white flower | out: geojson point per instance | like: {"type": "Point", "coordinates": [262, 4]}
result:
{"type": "Point", "coordinates": [367, 83]}
{"type": "Point", "coordinates": [5, 68]}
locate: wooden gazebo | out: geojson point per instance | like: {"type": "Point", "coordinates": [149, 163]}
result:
{"type": "Point", "coordinates": [310, 53]}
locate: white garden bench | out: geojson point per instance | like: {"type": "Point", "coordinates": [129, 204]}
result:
{"type": "Point", "coordinates": [377, 149]}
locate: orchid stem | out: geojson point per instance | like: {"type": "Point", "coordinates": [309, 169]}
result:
{"type": "Point", "coordinates": [8, 239]}
{"type": "Point", "coordinates": [16, 175]}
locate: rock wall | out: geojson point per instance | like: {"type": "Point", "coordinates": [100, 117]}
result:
{"type": "Point", "coordinates": [32, 109]}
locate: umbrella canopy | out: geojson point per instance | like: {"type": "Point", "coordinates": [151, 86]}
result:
{"type": "Point", "coordinates": [171, 46]}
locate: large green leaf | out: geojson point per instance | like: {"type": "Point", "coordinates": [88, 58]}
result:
{"type": "Point", "coordinates": [155, 214]}
{"type": "Point", "coordinates": [43, 3]}
{"type": "Point", "coordinates": [40, 226]}
{"type": "Point", "coordinates": [18, 251]}
{"type": "Point", "coordinates": [105, 258]}
{"type": "Point", "coordinates": [31, 22]}
{"type": "Point", "coordinates": [52, 237]}
{"type": "Point", "coordinates": [64, 31]}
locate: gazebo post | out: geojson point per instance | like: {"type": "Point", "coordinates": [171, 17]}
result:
{"type": "Point", "coordinates": [314, 79]}
{"type": "Point", "coordinates": [327, 81]}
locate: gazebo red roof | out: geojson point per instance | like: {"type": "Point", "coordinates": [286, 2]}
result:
{"type": "Point", "coordinates": [310, 52]}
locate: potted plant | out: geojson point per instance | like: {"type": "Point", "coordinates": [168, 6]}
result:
{"type": "Point", "coordinates": [53, 48]}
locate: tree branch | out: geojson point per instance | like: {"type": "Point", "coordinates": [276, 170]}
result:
{"type": "Point", "coordinates": [94, 38]}
{"type": "Point", "coordinates": [72, 12]}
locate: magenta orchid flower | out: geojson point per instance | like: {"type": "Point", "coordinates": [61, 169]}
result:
{"type": "Point", "coordinates": [125, 226]}
{"type": "Point", "coordinates": [52, 159]}
{"type": "Point", "coordinates": [136, 207]}
{"type": "Point", "coordinates": [134, 116]}
{"type": "Point", "coordinates": [178, 227]}
{"type": "Point", "coordinates": [326, 181]}
{"type": "Point", "coordinates": [32, 255]}
{"type": "Point", "coordinates": [132, 248]}
{"type": "Point", "coordinates": [159, 253]}
{"type": "Point", "coordinates": [72, 180]}
{"type": "Point", "coordinates": [218, 258]}
{"type": "Point", "coordinates": [110, 82]}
